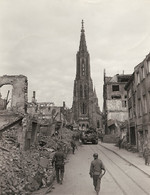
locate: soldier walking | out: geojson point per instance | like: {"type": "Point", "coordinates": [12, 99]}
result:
{"type": "Point", "coordinates": [58, 160]}
{"type": "Point", "coordinates": [73, 145]}
{"type": "Point", "coordinates": [97, 170]}
{"type": "Point", "coordinates": [146, 155]}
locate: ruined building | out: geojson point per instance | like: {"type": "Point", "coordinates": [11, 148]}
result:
{"type": "Point", "coordinates": [138, 96]}
{"type": "Point", "coordinates": [115, 102]}
{"type": "Point", "coordinates": [49, 115]}
{"type": "Point", "coordinates": [15, 121]}
{"type": "Point", "coordinates": [85, 109]}
{"type": "Point", "coordinates": [3, 103]}
{"type": "Point", "coordinates": [19, 92]}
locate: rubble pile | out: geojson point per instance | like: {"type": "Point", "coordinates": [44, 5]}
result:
{"type": "Point", "coordinates": [23, 172]}
{"type": "Point", "coordinates": [62, 139]}
{"type": "Point", "coordinates": [12, 173]}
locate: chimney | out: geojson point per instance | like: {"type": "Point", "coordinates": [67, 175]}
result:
{"type": "Point", "coordinates": [33, 98]}
{"type": "Point", "coordinates": [34, 94]}
{"type": "Point", "coordinates": [64, 105]}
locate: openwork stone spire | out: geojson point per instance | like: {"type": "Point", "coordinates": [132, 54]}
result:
{"type": "Point", "coordinates": [82, 46]}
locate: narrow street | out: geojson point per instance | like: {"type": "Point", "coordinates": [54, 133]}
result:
{"type": "Point", "coordinates": [120, 178]}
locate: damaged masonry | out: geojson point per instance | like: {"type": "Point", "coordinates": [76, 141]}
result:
{"type": "Point", "coordinates": [28, 140]}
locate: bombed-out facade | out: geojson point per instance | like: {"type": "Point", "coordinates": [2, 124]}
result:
{"type": "Point", "coordinates": [138, 94]}
{"type": "Point", "coordinates": [115, 102]}
{"type": "Point", "coordinates": [15, 121]}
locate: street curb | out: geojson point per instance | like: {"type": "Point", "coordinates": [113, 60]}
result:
{"type": "Point", "coordinates": [126, 160]}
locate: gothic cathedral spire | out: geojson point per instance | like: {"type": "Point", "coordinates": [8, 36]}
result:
{"type": "Point", "coordinates": [83, 58]}
{"type": "Point", "coordinates": [83, 107]}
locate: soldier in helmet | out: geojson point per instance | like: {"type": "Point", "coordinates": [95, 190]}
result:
{"type": "Point", "coordinates": [97, 170]}
{"type": "Point", "coordinates": [73, 145]}
{"type": "Point", "coordinates": [146, 155]}
{"type": "Point", "coordinates": [58, 160]}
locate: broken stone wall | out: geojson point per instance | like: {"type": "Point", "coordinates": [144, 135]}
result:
{"type": "Point", "coordinates": [116, 111]}
{"type": "Point", "coordinates": [19, 91]}
{"type": "Point", "coordinates": [2, 103]}
{"type": "Point", "coordinates": [29, 132]}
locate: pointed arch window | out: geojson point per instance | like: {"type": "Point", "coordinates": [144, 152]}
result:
{"type": "Point", "coordinates": [98, 124]}
{"type": "Point", "coordinates": [83, 68]}
{"type": "Point", "coordinates": [84, 108]}
{"type": "Point", "coordinates": [81, 91]}
{"type": "Point", "coordinates": [81, 108]}
{"type": "Point", "coordinates": [83, 111]}
{"type": "Point", "coordinates": [85, 91]}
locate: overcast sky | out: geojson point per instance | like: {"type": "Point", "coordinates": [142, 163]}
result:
{"type": "Point", "coordinates": [40, 39]}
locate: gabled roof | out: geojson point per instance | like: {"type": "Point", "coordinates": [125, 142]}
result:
{"type": "Point", "coordinates": [122, 78]}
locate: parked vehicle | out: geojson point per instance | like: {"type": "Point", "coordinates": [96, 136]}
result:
{"type": "Point", "coordinates": [89, 136]}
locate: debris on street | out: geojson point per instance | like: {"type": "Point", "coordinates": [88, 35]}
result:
{"type": "Point", "coordinates": [23, 172]}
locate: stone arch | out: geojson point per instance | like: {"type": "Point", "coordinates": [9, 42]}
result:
{"type": "Point", "coordinates": [19, 91]}
{"type": "Point", "coordinates": [83, 125]}
{"type": "Point", "coordinates": [6, 96]}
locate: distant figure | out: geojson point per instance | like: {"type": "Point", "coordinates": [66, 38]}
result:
{"type": "Point", "coordinates": [146, 155]}
{"type": "Point", "coordinates": [101, 136]}
{"type": "Point", "coordinates": [59, 161]}
{"type": "Point", "coordinates": [97, 170]}
{"type": "Point", "coordinates": [119, 143]}
{"type": "Point", "coordinates": [73, 145]}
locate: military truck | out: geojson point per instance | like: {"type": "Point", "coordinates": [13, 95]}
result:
{"type": "Point", "coordinates": [89, 136]}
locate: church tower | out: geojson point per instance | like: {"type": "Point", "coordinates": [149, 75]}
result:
{"type": "Point", "coordinates": [83, 94]}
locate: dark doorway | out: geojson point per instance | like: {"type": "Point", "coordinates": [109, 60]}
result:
{"type": "Point", "coordinates": [132, 136]}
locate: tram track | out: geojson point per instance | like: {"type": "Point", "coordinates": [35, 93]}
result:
{"type": "Point", "coordinates": [122, 172]}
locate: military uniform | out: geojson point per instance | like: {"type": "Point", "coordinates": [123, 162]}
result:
{"type": "Point", "coordinates": [58, 159]}
{"type": "Point", "coordinates": [147, 156]}
{"type": "Point", "coordinates": [96, 173]}
{"type": "Point", "coordinates": [73, 145]}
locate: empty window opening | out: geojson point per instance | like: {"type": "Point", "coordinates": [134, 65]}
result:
{"type": "Point", "coordinates": [5, 97]}
{"type": "Point", "coordinates": [148, 65]}
{"type": "Point", "coordinates": [124, 103]}
{"type": "Point", "coordinates": [143, 72]}
{"type": "Point", "coordinates": [138, 78]}
{"type": "Point", "coordinates": [145, 104]}
{"type": "Point", "coordinates": [115, 88]}
{"type": "Point", "coordinates": [116, 96]}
